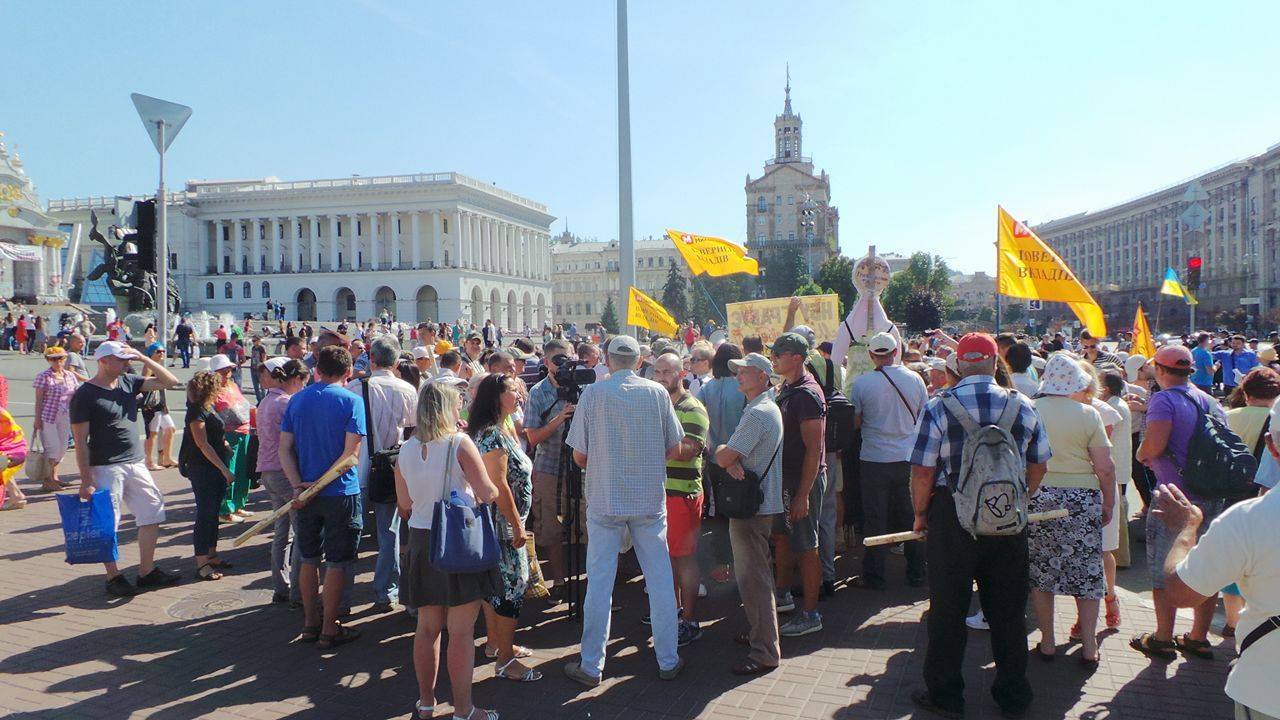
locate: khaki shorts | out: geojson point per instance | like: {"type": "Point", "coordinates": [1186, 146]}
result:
{"type": "Point", "coordinates": [545, 518]}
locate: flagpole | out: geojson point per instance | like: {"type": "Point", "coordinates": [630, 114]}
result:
{"type": "Point", "coordinates": [716, 307]}
{"type": "Point", "coordinates": [1159, 310]}
{"type": "Point", "coordinates": [997, 270]}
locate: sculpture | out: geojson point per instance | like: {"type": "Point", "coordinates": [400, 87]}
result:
{"type": "Point", "coordinates": [123, 275]}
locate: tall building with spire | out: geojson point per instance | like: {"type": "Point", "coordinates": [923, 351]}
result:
{"type": "Point", "coordinates": [789, 206]}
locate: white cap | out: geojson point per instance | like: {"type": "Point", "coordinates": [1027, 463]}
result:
{"type": "Point", "coordinates": [882, 344]}
{"type": "Point", "coordinates": [271, 364]}
{"type": "Point", "coordinates": [220, 362]}
{"type": "Point", "coordinates": [112, 348]}
{"type": "Point", "coordinates": [937, 363]}
{"type": "Point", "coordinates": [420, 352]}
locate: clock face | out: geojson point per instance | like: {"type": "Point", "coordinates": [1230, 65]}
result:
{"type": "Point", "coordinates": [871, 275]}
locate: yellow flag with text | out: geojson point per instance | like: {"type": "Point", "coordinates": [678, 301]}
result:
{"type": "Point", "coordinates": [713, 256]}
{"type": "Point", "coordinates": [644, 311]}
{"type": "Point", "coordinates": [1143, 343]}
{"type": "Point", "coordinates": [1027, 268]}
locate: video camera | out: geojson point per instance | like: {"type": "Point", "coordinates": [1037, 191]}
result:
{"type": "Point", "coordinates": [571, 375]}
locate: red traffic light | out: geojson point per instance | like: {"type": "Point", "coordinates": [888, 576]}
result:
{"type": "Point", "coordinates": [1194, 262]}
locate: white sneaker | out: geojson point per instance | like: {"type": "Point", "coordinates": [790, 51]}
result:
{"type": "Point", "coordinates": [977, 621]}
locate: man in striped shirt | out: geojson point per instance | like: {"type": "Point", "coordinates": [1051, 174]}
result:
{"type": "Point", "coordinates": [684, 491]}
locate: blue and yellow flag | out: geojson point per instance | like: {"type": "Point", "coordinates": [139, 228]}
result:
{"type": "Point", "coordinates": [1173, 286]}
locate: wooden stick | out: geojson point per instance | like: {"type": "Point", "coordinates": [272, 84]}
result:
{"type": "Point", "coordinates": [895, 538]}
{"type": "Point", "coordinates": [329, 476]}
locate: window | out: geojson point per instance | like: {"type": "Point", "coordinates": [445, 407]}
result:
{"type": "Point", "coordinates": [778, 236]}
{"type": "Point", "coordinates": [588, 308]}
{"type": "Point", "coordinates": [761, 204]}
{"type": "Point", "coordinates": [444, 222]}
{"type": "Point", "coordinates": [248, 289]}
{"type": "Point", "coordinates": [398, 221]}
{"type": "Point", "coordinates": [791, 199]}
{"type": "Point", "coordinates": [791, 236]}
{"type": "Point", "coordinates": [226, 291]}
{"type": "Point", "coordinates": [760, 238]}
{"type": "Point", "coordinates": [262, 232]}
{"type": "Point", "coordinates": [777, 200]}
{"type": "Point", "coordinates": [660, 261]}
{"type": "Point", "coordinates": [208, 291]}
{"type": "Point", "coordinates": [339, 226]}
{"type": "Point", "coordinates": [266, 289]}
{"type": "Point", "coordinates": [759, 219]}
{"type": "Point", "coordinates": [173, 261]}
{"type": "Point", "coordinates": [650, 262]}
{"type": "Point", "coordinates": [280, 231]}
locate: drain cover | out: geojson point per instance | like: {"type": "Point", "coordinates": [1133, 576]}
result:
{"type": "Point", "coordinates": [206, 605]}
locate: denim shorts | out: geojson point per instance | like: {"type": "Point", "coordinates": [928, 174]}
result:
{"type": "Point", "coordinates": [329, 526]}
{"type": "Point", "coordinates": [1160, 538]}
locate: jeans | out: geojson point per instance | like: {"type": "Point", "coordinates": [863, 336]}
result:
{"type": "Point", "coordinates": [386, 571]}
{"type": "Point", "coordinates": [886, 508]}
{"type": "Point", "coordinates": [827, 521]}
{"type": "Point", "coordinates": [208, 486]}
{"type": "Point", "coordinates": [1000, 566]}
{"type": "Point", "coordinates": [184, 351]}
{"type": "Point", "coordinates": [283, 543]}
{"type": "Point", "coordinates": [649, 537]}
{"type": "Point", "coordinates": [257, 384]}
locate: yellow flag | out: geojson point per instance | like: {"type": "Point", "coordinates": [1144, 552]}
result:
{"type": "Point", "coordinates": [1027, 268]}
{"type": "Point", "coordinates": [644, 311]}
{"type": "Point", "coordinates": [1143, 342]}
{"type": "Point", "coordinates": [712, 255]}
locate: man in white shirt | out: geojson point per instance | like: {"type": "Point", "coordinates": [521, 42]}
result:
{"type": "Point", "coordinates": [391, 405]}
{"type": "Point", "coordinates": [888, 401]}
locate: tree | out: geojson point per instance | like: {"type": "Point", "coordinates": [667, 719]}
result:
{"type": "Point", "coordinates": [836, 273]}
{"type": "Point", "coordinates": [1014, 312]}
{"type": "Point", "coordinates": [924, 272]}
{"type": "Point", "coordinates": [723, 290]}
{"type": "Point", "coordinates": [675, 294]}
{"type": "Point", "coordinates": [786, 271]}
{"type": "Point", "coordinates": [922, 310]}
{"type": "Point", "coordinates": [609, 319]}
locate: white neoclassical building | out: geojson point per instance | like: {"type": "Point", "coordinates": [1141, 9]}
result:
{"type": "Point", "coordinates": [439, 246]}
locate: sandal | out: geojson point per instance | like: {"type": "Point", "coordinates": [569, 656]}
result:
{"type": "Point", "coordinates": [310, 634]}
{"type": "Point", "coordinates": [1044, 656]}
{"type": "Point", "coordinates": [207, 572]}
{"type": "Point", "coordinates": [14, 504]}
{"type": "Point", "coordinates": [1074, 634]}
{"type": "Point", "coordinates": [423, 712]}
{"type": "Point", "coordinates": [219, 563]}
{"type": "Point", "coordinates": [1228, 631]}
{"type": "Point", "coordinates": [1113, 612]}
{"type": "Point", "coordinates": [751, 667]}
{"type": "Point", "coordinates": [1154, 648]}
{"type": "Point", "coordinates": [529, 675]}
{"type": "Point", "coordinates": [520, 650]}
{"type": "Point", "coordinates": [342, 637]}
{"type": "Point", "coordinates": [1194, 648]}
{"type": "Point", "coordinates": [484, 714]}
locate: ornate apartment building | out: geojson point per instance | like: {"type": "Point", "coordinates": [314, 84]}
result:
{"type": "Point", "coordinates": [585, 275]}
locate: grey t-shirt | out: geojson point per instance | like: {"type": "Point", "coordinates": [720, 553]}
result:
{"type": "Point", "coordinates": [757, 438]}
{"type": "Point", "coordinates": [75, 362]}
{"type": "Point", "coordinates": [112, 415]}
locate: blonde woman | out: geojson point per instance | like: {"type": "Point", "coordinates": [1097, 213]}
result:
{"type": "Point", "coordinates": [203, 460]}
{"type": "Point", "coordinates": [438, 454]}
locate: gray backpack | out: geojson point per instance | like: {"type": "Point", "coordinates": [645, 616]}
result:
{"type": "Point", "coordinates": [991, 491]}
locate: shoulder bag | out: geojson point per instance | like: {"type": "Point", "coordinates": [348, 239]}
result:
{"type": "Point", "coordinates": [741, 499]}
{"type": "Point", "coordinates": [915, 414]}
{"type": "Point", "coordinates": [463, 538]}
{"type": "Point", "coordinates": [382, 463]}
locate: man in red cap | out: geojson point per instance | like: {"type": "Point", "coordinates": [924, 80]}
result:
{"type": "Point", "coordinates": [956, 559]}
{"type": "Point", "coordinates": [1171, 421]}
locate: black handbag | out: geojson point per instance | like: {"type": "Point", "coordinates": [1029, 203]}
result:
{"type": "Point", "coordinates": [382, 463]}
{"type": "Point", "coordinates": [741, 499]}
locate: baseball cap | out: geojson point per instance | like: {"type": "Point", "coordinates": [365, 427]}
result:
{"type": "Point", "coordinates": [807, 333]}
{"type": "Point", "coordinates": [54, 352]}
{"type": "Point", "coordinates": [421, 352]}
{"type": "Point", "coordinates": [624, 346]}
{"type": "Point", "coordinates": [220, 362]}
{"type": "Point", "coordinates": [976, 347]}
{"type": "Point", "coordinates": [882, 344]}
{"type": "Point", "coordinates": [755, 360]}
{"type": "Point", "coordinates": [271, 364]}
{"type": "Point", "coordinates": [521, 349]}
{"type": "Point", "coordinates": [790, 342]}
{"type": "Point", "coordinates": [112, 348]}
{"type": "Point", "coordinates": [474, 335]}
{"type": "Point", "coordinates": [153, 347]}
{"type": "Point", "coordinates": [1174, 357]}
{"type": "Point", "coordinates": [659, 346]}
{"type": "Point", "coordinates": [937, 363]}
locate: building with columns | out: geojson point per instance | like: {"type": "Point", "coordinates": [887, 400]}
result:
{"type": "Point", "coordinates": [30, 240]}
{"type": "Point", "coordinates": [439, 247]}
{"type": "Point", "coordinates": [585, 275]}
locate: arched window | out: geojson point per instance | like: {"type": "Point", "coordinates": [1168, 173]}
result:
{"type": "Point", "coordinates": [208, 291]}
{"type": "Point", "coordinates": [226, 291]}
{"type": "Point", "coordinates": [266, 289]}
{"type": "Point", "coordinates": [248, 289]}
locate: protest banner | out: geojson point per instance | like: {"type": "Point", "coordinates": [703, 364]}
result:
{"type": "Point", "coordinates": [766, 317]}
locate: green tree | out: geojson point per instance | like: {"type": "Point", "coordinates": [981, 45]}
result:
{"type": "Point", "coordinates": [1013, 313]}
{"type": "Point", "coordinates": [609, 319]}
{"type": "Point", "coordinates": [675, 294]}
{"type": "Point", "coordinates": [811, 288]}
{"type": "Point", "coordinates": [786, 271]}
{"type": "Point", "coordinates": [723, 290]}
{"type": "Point", "coordinates": [922, 310]}
{"type": "Point", "coordinates": [836, 274]}
{"type": "Point", "coordinates": [924, 272]}
{"type": "Point", "coordinates": [986, 315]}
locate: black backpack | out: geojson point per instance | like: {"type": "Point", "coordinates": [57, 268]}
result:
{"type": "Point", "coordinates": [1218, 466]}
{"type": "Point", "coordinates": [840, 412]}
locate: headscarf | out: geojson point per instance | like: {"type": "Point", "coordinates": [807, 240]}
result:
{"type": "Point", "coordinates": [1063, 376]}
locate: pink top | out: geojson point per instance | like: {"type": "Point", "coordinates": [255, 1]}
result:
{"type": "Point", "coordinates": [270, 413]}
{"type": "Point", "coordinates": [231, 397]}
{"type": "Point", "coordinates": [57, 393]}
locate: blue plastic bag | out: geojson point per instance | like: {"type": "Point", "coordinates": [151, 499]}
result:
{"type": "Point", "coordinates": [89, 527]}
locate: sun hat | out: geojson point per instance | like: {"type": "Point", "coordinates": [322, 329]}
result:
{"type": "Point", "coordinates": [56, 351]}
{"type": "Point", "coordinates": [1063, 376]}
{"type": "Point", "coordinates": [271, 364]}
{"type": "Point", "coordinates": [220, 362]}
{"type": "Point", "coordinates": [421, 352]}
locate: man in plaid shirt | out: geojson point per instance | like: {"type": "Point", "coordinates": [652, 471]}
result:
{"type": "Point", "coordinates": [956, 559]}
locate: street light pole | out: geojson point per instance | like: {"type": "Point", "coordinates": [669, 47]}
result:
{"type": "Point", "coordinates": [162, 249]}
{"type": "Point", "coordinates": [626, 238]}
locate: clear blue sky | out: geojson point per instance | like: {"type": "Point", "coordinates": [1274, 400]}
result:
{"type": "Point", "coordinates": [925, 114]}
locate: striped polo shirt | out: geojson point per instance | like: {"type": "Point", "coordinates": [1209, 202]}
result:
{"type": "Point", "coordinates": [685, 476]}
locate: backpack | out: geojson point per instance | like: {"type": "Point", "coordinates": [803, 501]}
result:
{"type": "Point", "coordinates": [1219, 466]}
{"type": "Point", "coordinates": [840, 412]}
{"type": "Point", "coordinates": [991, 493]}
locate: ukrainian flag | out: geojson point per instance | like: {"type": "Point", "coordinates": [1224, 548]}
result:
{"type": "Point", "coordinates": [1172, 286]}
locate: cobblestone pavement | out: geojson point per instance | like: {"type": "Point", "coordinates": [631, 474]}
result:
{"type": "Point", "coordinates": [222, 650]}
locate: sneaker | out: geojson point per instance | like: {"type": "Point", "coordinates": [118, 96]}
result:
{"type": "Point", "coordinates": [786, 603]}
{"type": "Point", "coordinates": [157, 578]}
{"type": "Point", "coordinates": [828, 589]}
{"type": "Point", "coordinates": [119, 586]}
{"type": "Point", "coordinates": [648, 620]}
{"type": "Point", "coordinates": [802, 623]}
{"type": "Point", "coordinates": [977, 621]}
{"type": "Point", "coordinates": [575, 673]}
{"type": "Point", "coordinates": [689, 632]}
{"type": "Point", "coordinates": [673, 673]}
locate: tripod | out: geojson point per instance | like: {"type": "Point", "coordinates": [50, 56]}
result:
{"type": "Point", "coordinates": [569, 499]}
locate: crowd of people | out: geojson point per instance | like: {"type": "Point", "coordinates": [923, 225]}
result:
{"type": "Point", "coordinates": [765, 453]}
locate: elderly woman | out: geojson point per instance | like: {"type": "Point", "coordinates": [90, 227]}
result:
{"type": "Point", "coordinates": [233, 408]}
{"type": "Point", "coordinates": [1066, 554]}
{"type": "Point", "coordinates": [52, 423]}
{"type": "Point", "coordinates": [725, 404]}
{"type": "Point", "coordinates": [283, 378]}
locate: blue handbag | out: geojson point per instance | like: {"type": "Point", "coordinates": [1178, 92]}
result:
{"type": "Point", "coordinates": [89, 527]}
{"type": "Point", "coordinates": [463, 538]}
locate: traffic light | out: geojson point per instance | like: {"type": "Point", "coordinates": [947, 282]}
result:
{"type": "Point", "coordinates": [145, 237]}
{"type": "Point", "coordinates": [1194, 263]}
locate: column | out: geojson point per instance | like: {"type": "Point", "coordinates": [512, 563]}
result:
{"type": "Point", "coordinates": [274, 229]}
{"type": "Point", "coordinates": [477, 243]}
{"type": "Point", "coordinates": [255, 241]}
{"type": "Point", "coordinates": [220, 247]}
{"type": "Point", "coordinates": [459, 247]}
{"type": "Point", "coordinates": [374, 241]}
{"type": "Point", "coordinates": [437, 246]}
{"type": "Point", "coordinates": [292, 265]}
{"type": "Point", "coordinates": [393, 232]}
{"type": "Point", "coordinates": [353, 220]}
{"type": "Point", "coordinates": [505, 234]}
{"type": "Point", "coordinates": [414, 238]}
{"type": "Point", "coordinates": [237, 247]}
{"type": "Point", "coordinates": [333, 242]}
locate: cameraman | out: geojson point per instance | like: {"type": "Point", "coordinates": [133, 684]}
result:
{"type": "Point", "coordinates": [545, 414]}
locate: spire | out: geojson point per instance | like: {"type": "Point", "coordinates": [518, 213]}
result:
{"type": "Point", "coordinates": [786, 110]}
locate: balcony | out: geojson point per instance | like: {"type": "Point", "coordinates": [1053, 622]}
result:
{"type": "Point", "coordinates": [784, 161]}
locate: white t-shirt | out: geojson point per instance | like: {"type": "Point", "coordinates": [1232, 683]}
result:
{"type": "Point", "coordinates": [425, 477]}
{"type": "Point", "coordinates": [1240, 546]}
{"type": "Point", "coordinates": [1025, 383]}
{"type": "Point", "coordinates": [888, 421]}
{"type": "Point", "coordinates": [1122, 440]}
